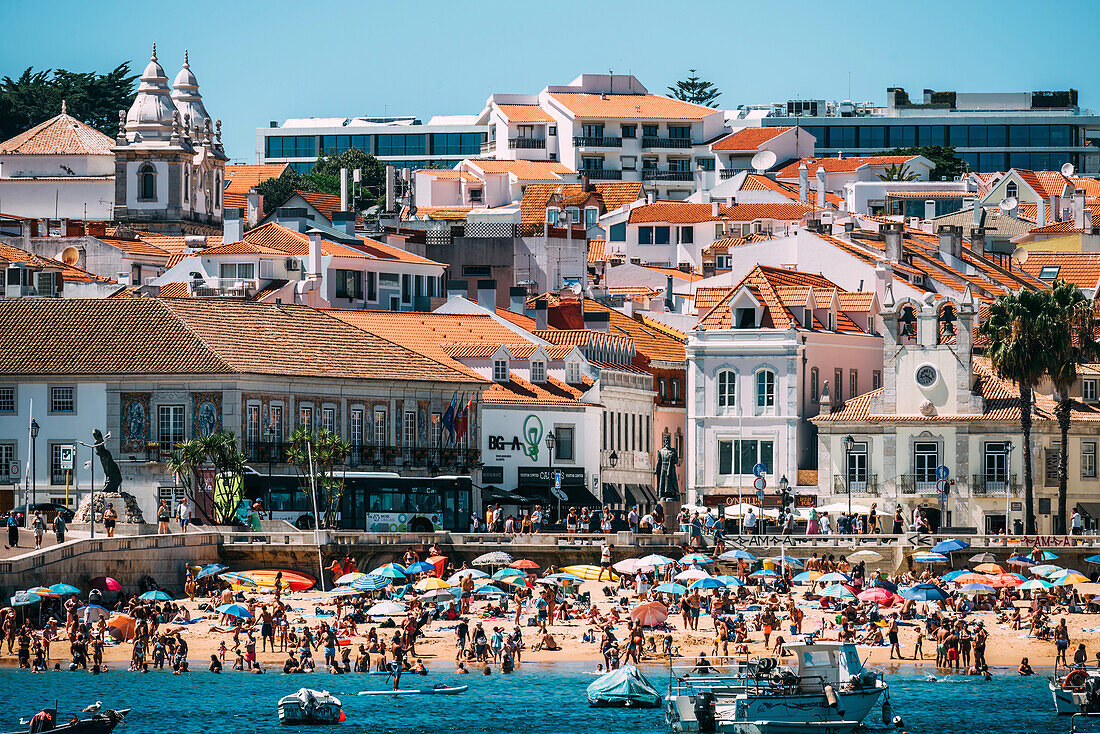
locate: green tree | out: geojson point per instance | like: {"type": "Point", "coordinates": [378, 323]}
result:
{"type": "Point", "coordinates": [894, 172]}
{"type": "Point", "coordinates": [696, 90]}
{"type": "Point", "coordinates": [372, 186]}
{"type": "Point", "coordinates": [315, 456]}
{"type": "Point", "coordinates": [92, 98]}
{"type": "Point", "coordinates": [1072, 344]}
{"type": "Point", "coordinates": [277, 190]}
{"type": "Point", "coordinates": [220, 453]}
{"type": "Point", "coordinates": [1020, 328]}
{"type": "Point", "coordinates": [948, 165]}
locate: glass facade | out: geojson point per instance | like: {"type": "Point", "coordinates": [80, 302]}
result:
{"type": "Point", "coordinates": [464, 144]}
{"type": "Point", "coordinates": [879, 137]}
{"type": "Point", "coordinates": [337, 144]}
{"type": "Point", "coordinates": [291, 146]}
{"type": "Point", "coordinates": [402, 144]}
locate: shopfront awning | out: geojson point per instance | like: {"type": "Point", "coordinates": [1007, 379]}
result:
{"type": "Point", "coordinates": [612, 493]}
{"type": "Point", "coordinates": [639, 494]}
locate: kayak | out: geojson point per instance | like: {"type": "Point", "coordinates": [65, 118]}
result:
{"type": "Point", "coordinates": [293, 580]}
{"type": "Point", "coordinates": [590, 572]}
{"type": "Point", "coordinates": [441, 690]}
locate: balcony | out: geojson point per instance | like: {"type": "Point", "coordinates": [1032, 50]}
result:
{"type": "Point", "coordinates": [911, 484]}
{"type": "Point", "coordinates": [678, 143]}
{"type": "Point", "coordinates": [584, 141]}
{"type": "Point", "coordinates": [652, 174]}
{"type": "Point", "coordinates": [994, 485]}
{"type": "Point", "coordinates": [602, 174]}
{"type": "Point", "coordinates": [867, 487]}
{"type": "Point", "coordinates": [527, 143]}
{"type": "Point", "coordinates": [225, 288]}
{"type": "Point", "coordinates": [730, 172]}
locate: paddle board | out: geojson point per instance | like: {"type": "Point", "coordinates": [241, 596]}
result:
{"type": "Point", "coordinates": [453, 691]}
{"type": "Point", "coordinates": [293, 580]}
{"type": "Point", "coordinates": [589, 572]}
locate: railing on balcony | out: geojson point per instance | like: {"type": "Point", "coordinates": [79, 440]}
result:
{"type": "Point", "coordinates": [912, 484]}
{"type": "Point", "coordinates": [585, 141]}
{"type": "Point", "coordinates": [729, 172]}
{"type": "Point", "coordinates": [867, 487]}
{"type": "Point", "coordinates": [602, 174]}
{"type": "Point", "coordinates": [652, 174]}
{"type": "Point", "coordinates": [666, 142]}
{"type": "Point", "coordinates": [488, 147]}
{"type": "Point", "coordinates": [535, 143]}
{"type": "Point", "coordinates": [225, 288]}
{"type": "Point", "coordinates": [993, 485]}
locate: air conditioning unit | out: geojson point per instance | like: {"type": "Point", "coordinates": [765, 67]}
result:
{"type": "Point", "coordinates": [293, 263]}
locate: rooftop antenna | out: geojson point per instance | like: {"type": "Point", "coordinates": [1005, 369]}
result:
{"type": "Point", "coordinates": [1008, 205]}
{"type": "Point", "coordinates": [763, 160]}
{"type": "Point", "coordinates": [1067, 170]}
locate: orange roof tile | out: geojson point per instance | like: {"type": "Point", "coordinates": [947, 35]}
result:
{"type": "Point", "coordinates": [673, 212]}
{"type": "Point", "coordinates": [174, 290]}
{"type": "Point", "coordinates": [676, 273]}
{"type": "Point", "coordinates": [61, 135]}
{"type": "Point", "coordinates": [12, 254]}
{"type": "Point", "coordinates": [837, 165]}
{"type": "Point", "coordinates": [1045, 183]}
{"type": "Point", "coordinates": [448, 174]}
{"type": "Point", "coordinates": [240, 177]}
{"type": "Point", "coordinates": [756, 182]}
{"type": "Point", "coordinates": [614, 194]}
{"type": "Point", "coordinates": [134, 247]}
{"type": "Point", "coordinates": [708, 296]}
{"type": "Point", "coordinates": [596, 250]}
{"type": "Point", "coordinates": [651, 338]}
{"type": "Point", "coordinates": [325, 204]}
{"type": "Point", "coordinates": [630, 106]}
{"type": "Point", "coordinates": [523, 170]}
{"type": "Point", "coordinates": [1079, 268]}
{"type": "Point", "coordinates": [1091, 186]}
{"type": "Point", "coordinates": [749, 138]}
{"type": "Point", "coordinates": [519, 113]}
{"type": "Point", "coordinates": [751, 212]}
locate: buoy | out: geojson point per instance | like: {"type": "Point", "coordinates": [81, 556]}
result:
{"type": "Point", "coordinates": [898, 722]}
{"type": "Point", "coordinates": [887, 712]}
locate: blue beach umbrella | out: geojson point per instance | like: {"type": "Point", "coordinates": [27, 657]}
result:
{"type": "Point", "coordinates": [419, 567]}
{"type": "Point", "coordinates": [1034, 584]}
{"type": "Point", "coordinates": [764, 574]}
{"type": "Point", "coordinates": [657, 561]}
{"type": "Point", "coordinates": [787, 560]}
{"type": "Point", "coordinates": [708, 583]}
{"type": "Point", "coordinates": [1024, 561]}
{"type": "Point", "coordinates": [670, 588]}
{"type": "Point", "coordinates": [884, 584]}
{"type": "Point", "coordinates": [237, 579]}
{"type": "Point", "coordinates": [64, 589]}
{"type": "Point", "coordinates": [954, 574]}
{"type": "Point", "coordinates": [730, 580]}
{"type": "Point", "coordinates": [738, 555]}
{"type": "Point", "coordinates": [1047, 556]}
{"type": "Point", "coordinates": [833, 578]}
{"type": "Point", "coordinates": [235, 610]}
{"type": "Point", "coordinates": [389, 571]}
{"type": "Point", "coordinates": [211, 569]}
{"type": "Point", "coordinates": [508, 573]}
{"type": "Point", "coordinates": [978, 589]}
{"type": "Point", "coordinates": [1090, 559]}
{"type": "Point", "coordinates": [156, 595]}
{"type": "Point", "coordinates": [490, 590]}
{"type": "Point", "coordinates": [564, 576]}
{"type": "Point", "coordinates": [370, 582]}
{"type": "Point", "coordinates": [922, 592]}
{"type": "Point", "coordinates": [950, 546]}
{"type": "Point", "coordinates": [837, 591]}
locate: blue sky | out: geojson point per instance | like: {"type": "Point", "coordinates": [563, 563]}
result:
{"type": "Point", "coordinates": [261, 61]}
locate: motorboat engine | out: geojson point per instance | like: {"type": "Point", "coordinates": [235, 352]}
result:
{"type": "Point", "coordinates": [704, 711]}
{"type": "Point", "coordinates": [1092, 696]}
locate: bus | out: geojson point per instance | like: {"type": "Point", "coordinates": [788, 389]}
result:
{"type": "Point", "coordinates": [378, 502]}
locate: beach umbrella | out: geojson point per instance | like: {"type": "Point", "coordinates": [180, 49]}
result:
{"type": "Point", "coordinates": [951, 545]}
{"type": "Point", "coordinates": [490, 590]}
{"type": "Point", "coordinates": [670, 588]}
{"type": "Point", "coordinates": [495, 558]}
{"type": "Point", "coordinates": [350, 578]}
{"type": "Point", "coordinates": [211, 569]}
{"type": "Point", "coordinates": [371, 582]}
{"type": "Point", "coordinates": [969, 577]}
{"type": "Point", "coordinates": [923, 592]}
{"type": "Point", "coordinates": [875, 594]}
{"type": "Point", "coordinates": [1092, 559]}
{"type": "Point", "coordinates": [692, 574]}
{"type": "Point", "coordinates": [24, 598]}
{"type": "Point", "coordinates": [389, 571]}
{"type": "Point", "coordinates": [431, 583]}
{"type": "Point", "coordinates": [837, 591]}
{"type": "Point", "coordinates": [1043, 556]}
{"type": "Point", "coordinates": [631, 565]}
{"type": "Point", "coordinates": [156, 595]}
{"type": "Point", "coordinates": [655, 560]}
{"type": "Point", "coordinates": [649, 613]}
{"type": "Point", "coordinates": [699, 558]}
{"type": "Point", "coordinates": [865, 555]}
{"type": "Point", "coordinates": [834, 577]}
{"type": "Point", "coordinates": [790, 561]}
{"type": "Point", "coordinates": [524, 563]}
{"type": "Point", "coordinates": [345, 591]}
{"type": "Point", "coordinates": [508, 573]}
{"type": "Point", "coordinates": [708, 583]}
{"type": "Point", "coordinates": [386, 609]}
{"type": "Point", "coordinates": [983, 558]}
{"type": "Point", "coordinates": [45, 591]}
{"type": "Point", "coordinates": [1034, 584]}
{"type": "Point", "coordinates": [730, 580]}
{"type": "Point", "coordinates": [1004, 579]}
{"type": "Point", "coordinates": [928, 557]}
{"type": "Point", "coordinates": [738, 555]}
{"type": "Point", "coordinates": [951, 576]}
{"type": "Point", "coordinates": [884, 584]}
{"type": "Point", "coordinates": [438, 595]}
{"type": "Point", "coordinates": [513, 581]}
{"type": "Point", "coordinates": [1072, 578]}
{"type": "Point", "coordinates": [106, 583]}
{"type": "Point", "coordinates": [235, 610]}
{"type": "Point", "coordinates": [807, 577]}
{"type": "Point", "coordinates": [64, 589]}
{"type": "Point", "coordinates": [92, 613]}
{"type": "Point", "coordinates": [467, 573]}
{"type": "Point", "coordinates": [237, 579]}
{"type": "Point", "coordinates": [1022, 561]}
{"type": "Point", "coordinates": [419, 567]}
{"type": "Point", "coordinates": [989, 568]}
{"type": "Point", "coordinates": [764, 573]}
{"type": "Point", "coordinates": [565, 576]}
{"type": "Point", "coordinates": [978, 589]}
{"type": "Point", "coordinates": [1045, 570]}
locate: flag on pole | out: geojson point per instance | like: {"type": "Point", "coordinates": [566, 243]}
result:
{"type": "Point", "coordinates": [462, 420]}
{"type": "Point", "coordinates": [449, 417]}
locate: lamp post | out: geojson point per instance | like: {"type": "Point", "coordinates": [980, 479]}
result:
{"type": "Point", "coordinates": [1008, 478]}
{"type": "Point", "coordinates": [848, 443]}
{"type": "Point", "coordinates": [270, 449]}
{"type": "Point", "coordinates": [784, 485]}
{"type": "Point", "coordinates": [551, 440]}
{"type": "Point", "coordinates": [34, 466]}
{"type": "Point", "coordinates": [612, 461]}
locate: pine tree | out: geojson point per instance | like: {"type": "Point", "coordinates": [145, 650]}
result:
{"type": "Point", "coordinates": [92, 98]}
{"type": "Point", "coordinates": [696, 90]}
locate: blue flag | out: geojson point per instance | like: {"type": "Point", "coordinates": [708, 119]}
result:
{"type": "Point", "coordinates": [449, 417]}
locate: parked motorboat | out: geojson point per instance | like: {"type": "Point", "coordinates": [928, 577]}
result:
{"type": "Point", "coordinates": [308, 706]}
{"type": "Point", "coordinates": [824, 690]}
{"type": "Point", "coordinates": [1063, 687]}
{"type": "Point", "coordinates": [102, 722]}
{"type": "Point", "coordinates": [625, 687]}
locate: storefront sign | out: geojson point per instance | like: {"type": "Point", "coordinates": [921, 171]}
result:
{"type": "Point", "coordinates": [533, 476]}
{"type": "Point", "coordinates": [492, 474]}
{"type": "Point", "coordinates": [528, 443]}
{"type": "Point", "coordinates": [805, 500]}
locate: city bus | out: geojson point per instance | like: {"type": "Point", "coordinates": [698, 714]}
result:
{"type": "Point", "coordinates": [379, 502]}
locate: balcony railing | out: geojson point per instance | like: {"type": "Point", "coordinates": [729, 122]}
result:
{"type": "Point", "coordinates": [867, 487]}
{"type": "Point", "coordinates": [585, 141]}
{"type": "Point", "coordinates": [535, 143]}
{"type": "Point", "coordinates": [993, 485]}
{"type": "Point", "coordinates": [911, 484]}
{"type": "Point", "coordinates": [225, 288]}
{"type": "Point", "coordinates": [729, 172]}
{"type": "Point", "coordinates": [652, 174]}
{"type": "Point", "coordinates": [666, 142]}
{"type": "Point", "coordinates": [602, 174]}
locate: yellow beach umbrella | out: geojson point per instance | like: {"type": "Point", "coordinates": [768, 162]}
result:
{"type": "Point", "coordinates": [429, 583]}
{"type": "Point", "coordinates": [1072, 578]}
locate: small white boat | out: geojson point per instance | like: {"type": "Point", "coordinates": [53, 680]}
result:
{"type": "Point", "coordinates": [440, 689]}
{"type": "Point", "coordinates": [1064, 687]}
{"type": "Point", "coordinates": [308, 706]}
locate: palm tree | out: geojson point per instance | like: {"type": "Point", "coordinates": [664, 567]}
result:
{"type": "Point", "coordinates": [895, 172]}
{"type": "Point", "coordinates": [315, 456]}
{"type": "Point", "coordinates": [217, 450]}
{"type": "Point", "coordinates": [1020, 329]}
{"type": "Point", "coordinates": [1073, 344]}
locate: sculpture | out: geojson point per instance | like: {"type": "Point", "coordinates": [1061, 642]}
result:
{"type": "Point", "coordinates": [112, 476]}
{"type": "Point", "coordinates": [665, 472]}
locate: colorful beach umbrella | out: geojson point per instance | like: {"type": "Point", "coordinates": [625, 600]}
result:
{"type": "Point", "coordinates": [807, 577]}
{"type": "Point", "coordinates": [565, 576]}
{"type": "Point", "coordinates": [390, 571]}
{"type": "Point", "coordinates": [524, 563]}
{"type": "Point", "coordinates": [345, 591]}
{"type": "Point", "coordinates": [44, 591]}
{"type": "Point", "coordinates": [1021, 561]}
{"type": "Point", "coordinates": [1034, 584]}
{"type": "Point", "coordinates": [431, 583]}
{"type": "Point", "coordinates": [508, 573]}
{"type": "Point", "coordinates": [419, 567]}
{"type": "Point", "coordinates": [834, 577]}
{"type": "Point", "coordinates": [923, 592]}
{"type": "Point", "coordinates": [978, 589]}
{"type": "Point", "coordinates": [156, 595]}
{"type": "Point", "coordinates": [1043, 556]}
{"type": "Point", "coordinates": [738, 555]}
{"type": "Point", "coordinates": [670, 588]}
{"type": "Point", "coordinates": [989, 568]}
{"type": "Point", "coordinates": [951, 545]}
{"type": "Point", "coordinates": [875, 594]}
{"type": "Point", "coordinates": [1045, 570]}
{"type": "Point", "coordinates": [764, 573]}
{"type": "Point", "coordinates": [730, 580]}
{"type": "Point", "coordinates": [699, 558]}
{"type": "Point", "coordinates": [954, 574]}
{"type": "Point", "coordinates": [350, 578]}
{"type": "Point", "coordinates": [211, 569]}
{"type": "Point", "coordinates": [927, 557]}
{"type": "Point", "coordinates": [370, 582]}
{"type": "Point", "coordinates": [64, 589]}
{"type": "Point", "coordinates": [467, 573]}
{"type": "Point", "coordinates": [649, 613]}
{"type": "Point", "coordinates": [490, 590]}
{"type": "Point", "coordinates": [970, 577]}
{"type": "Point", "coordinates": [92, 613]}
{"type": "Point", "coordinates": [235, 610]}
{"type": "Point", "coordinates": [1005, 579]}
{"type": "Point", "coordinates": [237, 579]}
{"type": "Point", "coordinates": [106, 583]}
{"type": "Point", "coordinates": [837, 591]}
{"type": "Point", "coordinates": [1072, 578]}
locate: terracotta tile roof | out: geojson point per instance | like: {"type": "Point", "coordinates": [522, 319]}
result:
{"type": "Point", "coordinates": [61, 135]}
{"type": "Point", "coordinates": [523, 321]}
{"type": "Point", "coordinates": [673, 212]}
{"type": "Point", "coordinates": [519, 113]}
{"type": "Point", "coordinates": [676, 273]}
{"type": "Point", "coordinates": [651, 338]}
{"type": "Point", "coordinates": [1045, 183]}
{"type": "Point", "coordinates": [1091, 186]}
{"type": "Point", "coordinates": [185, 336]}
{"type": "Point", "coordinates": [240, 177]}
{"type": "Point", "coordinates": [134, 247]}
{"type": "Point", "coordinates": [838, 165]}
{"type": "Point", "coordinates": [596, 250]}
{"type": "Point", "coordinates": [708, 296]}
{"type": "Point", "coordinates": [749, 138]}
{"type": "Point", "coordinates": [174, 290]}
{"type": "Point", "coordinates": [630, 106]}
{"type": "Point", "coordinates": [441, 213]}
{"type": "Point", "coordinates": [69, 273]}
{"type": "Point", "coordinates": [614, 194]}
{"type": "Point", "coordinates": [855, 301]}
{"type": "Point", "coordinates": [176, 245]}
{"type": "Point", "coordinates": [723, 246]}
{"type": "Point", "coordinates": [751, 212]}
{"type": "Point", "coordinates": [234, 201]}
{"type": "Point", "coordinates": [518, 390]}
{"type": "Point", "coordinates": [642, 291]}
{"type": "Point", "coordinates": [325, 204]}
{"type": "Point", "coordinates": [272, 238]}
{"type": "Point", "coordinates": [1080, 268]}
{"type": "Point", "coordinates": [932, 194]}
{"type": "Point", "coordinates": [447, 174]}
{"type": "Point", "coordinates": [756, 182]}
{"type": "Point", "coordinates": [1063, 227]}
{"type": "Point", "coordinates": [522, 170]}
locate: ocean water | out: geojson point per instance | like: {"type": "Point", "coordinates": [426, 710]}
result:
{"type": "Point", "coordinates": [536, 699]}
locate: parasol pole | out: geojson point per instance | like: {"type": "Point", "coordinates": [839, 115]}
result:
{"type": "Point", "coordinates": [316, 519]}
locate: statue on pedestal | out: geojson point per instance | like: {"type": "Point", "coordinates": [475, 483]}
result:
{"type": "Point", "coordinates": [667, 487]}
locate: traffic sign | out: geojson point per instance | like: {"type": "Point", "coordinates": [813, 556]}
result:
{"type": "Point", "coordinates": [557, 492]}
{"type": "Point", "coordinates": [942, 486]}
{"type": "Point", "coordinates": [942, 472]}
{"type": "Point", "coordinates": [13, 470]}
{"type": "Point", "coordinates": [759, 484]}
{"type": "Point", "coordinates": [67, 452]}
{"type": "Point", "coordinates": [760, 469]}
{"type": "Point", "coordinates": [557, 480]}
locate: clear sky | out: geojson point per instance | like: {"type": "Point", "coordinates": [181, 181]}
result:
{"type": "Point", "coordinates": [262, 61]}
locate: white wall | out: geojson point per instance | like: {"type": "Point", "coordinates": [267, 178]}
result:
{"type": "Point", "coordinates": [77, 199]}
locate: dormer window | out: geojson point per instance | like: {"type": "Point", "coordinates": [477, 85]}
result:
{"type": "Point", "coordinates": [538, 371]}
{"type": "Point", "coordinates": [552, 217]}
{"type": "Point", "coordinates": [745, 318]}
{"type": "Point", "coordinates": [832, 321]}
{"type": "Point", "coordinates": [807, 318]}
{"type": "Point", "coordinates": [1011, 190]}
{"type": "Point", "coordinates": [500, 370]}
{"type": "Point", "coordinates": [573, 372]}
{"type": "Point", "coordinates": [574, 214]}
{"type": "Point", "coordinates": [475, 195]}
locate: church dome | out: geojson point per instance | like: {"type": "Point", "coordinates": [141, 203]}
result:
{"type": "Point", "coordinates": [186, 97]}
{"type": "Point", "coordinates": [152, 112]}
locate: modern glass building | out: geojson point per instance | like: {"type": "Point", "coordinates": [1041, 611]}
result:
{"type": "Point", "coordinates": [405, 142]}
{"type": "Point", "coordinates": [1039, 131]}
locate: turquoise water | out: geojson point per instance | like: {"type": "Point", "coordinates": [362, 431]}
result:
{"type": "Point", "coordinates": [536, 699]}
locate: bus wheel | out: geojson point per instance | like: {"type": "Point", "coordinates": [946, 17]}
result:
{"type": "Point", "coordinates": [420, 525]}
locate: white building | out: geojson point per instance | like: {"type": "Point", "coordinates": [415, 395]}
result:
{"type": "Point", "coordinates": [734, 152]}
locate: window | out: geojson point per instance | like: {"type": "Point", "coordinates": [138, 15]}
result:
{"type": "Point", "coordinates": [552, 130]}
{"type": "Point", "coordinates": [147, 182]}
{"type": "Point", "coordinates": [62, 399]}
{"type": "Point", "coordinates": [765, 389]}
{"type": "Point", "coordinates": [408, 429]}
{"type": "Point", "coordinates": [305, 417]}
{"type": "Point", "coordinates": [727, 389]}
{"type": "Point", "coordinates": [662, 388]}
{"type": "Point", "coordinates": [649, 131]}
{"type": "Point", "coordinates": [723, 262]}
{"type": "Point", "coordinates": [328, 420]}
{"type": "Point", "coordinates": [1088, 459]}
{"type": "Point", "coordinates": [591, 163]}
{"type": "Point", "coordinates": [563, 446]}
{"type": "Point", "coordinates": [687, 235]}
{"type": "Point", "coordinates": [876, 379]}
{"type": "Point", "coordinates": [435, 431]}
{"type": "Point", "coordinates": [628, 162]}
{"type": "Point", "coordinates": [739, 457]}
{"type": "Point", "coordinates": [276, 422]}
{"type": "Point", "coordinates": [406, 288]}
{"type": "Point", "coordinates": [592, 130]}
{"type": "Point", "coordinates": [995, 463]}
{"type": "Point", "coordinates": [645, 235]}
{"type": "Point", "coordinates": [7, 458]}
{"type": "Point", "coordinates": [400, 145]}
{"type": "Point", "coordinates": [629, 131]}
{"type": "Point", "coordinates": [633, 445]}
{"type": "Point", "coordinates": [1088, 391]}
{"type": "Point", "coordinates": [372, 286]}
{"type": "Point", "coordinates": [675, 392]}
{"type": "Point", "coordinates": [707, 164]}
{"type": "Point", "coordinates": [58, 473]}
{"type": "Point", "coordinates": [591, 216]}
{"type": "Point", "coordinates": [476, 271]}
{"type": "Point", "coordinates": [538, 371]}
{"type": "Point", "coordinates": [7, 399]}
{"type": "Point", "coordinates": [617, 232]}
{"type": "Point", "coordinates": [252, 425]}
{"type": "Point", "coordinates": [853, 383]}
{"type": "Point", "coordinates": [349, 284]}
{"type": "Point", "coordinates": [574, 213]}
{"type": "Point", "coordinates": [379, 427]}
{"type": "Point", "coordinates": [170, 425]}
{"type": "Point", "coordinates": [856, 473]}
{"type": "Point", "coordinates": [356, 427]}
{"type": "Point", "coordinates": [680, 132]}
{"type": "Point", "coordinates": [552, 217]}
{"type": "Point", "coordinates": [926, 457]}
{"type": "Point", "coordinates": [807, 318]}
{"type": "Point", "coordinates": [573, 373]}
{"type": "Point", "coordinates": [475, 195]}
{"type": "Point", "coordinates": [237, 271]}
{"type": "Point", "coordinates": [746, 318]}
{"type": "Point", "coordinates": [838, 386]}
{"type": "Point", "coordinates": [500, 370]}
{"type": "Point", "coordinates": [815, 375]}
{"type": "Point", "coordinates": [1011, 190]}
{"type": "Point", "coordinates": [458, 143]}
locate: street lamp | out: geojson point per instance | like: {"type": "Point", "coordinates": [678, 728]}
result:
{"type": "Point", "coordinates": [551, 440]}
{"type": "Point", "coordinates": [270, 449]}
{"type": "Point", "coordinates": [34, 465]}
{"type": "Point", "coordinates": [848, 443]}
{"type": "Point", "coordinates": [613, 459]}
{"type": "Point", "coordinates": [1008, 477]}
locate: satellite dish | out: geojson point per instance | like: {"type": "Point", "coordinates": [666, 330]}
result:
{"type": "Point", "coordinates": [576, 288]}
{"type": "Point", "coordinates": [1067, 169]}
{"type": "Point", "coordinates": [70, 256]}
{"type": "Point", "coordinates": [763, 160]}
{"type": "Point", "coordinates": [1019, 255]}
{"type": "Point", "coordinates": [1009, 204]}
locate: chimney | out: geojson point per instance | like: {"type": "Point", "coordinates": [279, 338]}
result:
{"type": "Point", "coordinates": [650, 196]}
{"type": "Point", "coordinates": [668, 294]}
{"type": "Point", "coordinates": [292, 217]}
{"type": "Point", "coordinates": [1040, 213]}
{"type": "Point", "coordinates": [892, 237]}
{"type": "Point", "coordinates": [344, 222]}
{"type": "Point", "coordinates": [1055, 208]}
{"type": "Point", "coordinates": [586, 185]}
{"type": "Point", "coordinates": [487, 294]}
{"type": "Point", "coordinates": [254, 209]}
{"type": "Point", "coordinates": [517, 299]}
{"type": "Point", "coordinates": [929, 209]}
{"type": "Point", "coordinates": [803, 181]}
{"type": "Point", "coordinates": [97, 229]}
{"type": "Point", "coordinates": [540, 315]}
{"type": "Point", "coordinates": [314, 264]}
{"type": "Point", "coordinates": [232, 225]}
{"type": "Point", "coordinates": [977, 240]}
{"type": "Point", "coordinates": [979, 213]}
{"type": "Point", "coordinates": [714, 208]}
{"type": "Point", "coordinates": [944, 232]}
{"type": "Point", "coordinates": [597, 321]}
{"type": "Point", "coordinates": [1079, 209]}
{"type": "Point", "coordinates": [821, 187]}
{"type": "Point", "coordinates": [457, 289]}
{"type": "Point", "coordinates": [884, 277]}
